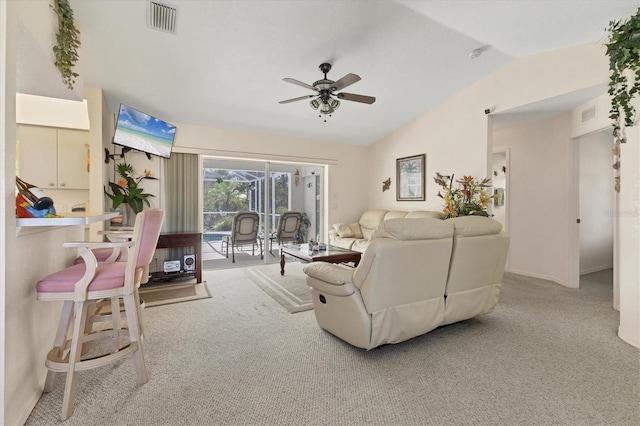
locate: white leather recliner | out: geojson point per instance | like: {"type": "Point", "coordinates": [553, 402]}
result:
{"type": "Point", "coordinates": [415, 275]}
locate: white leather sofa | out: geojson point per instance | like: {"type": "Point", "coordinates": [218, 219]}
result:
{"type": "Point", "coordinates": [415, 275]}
{"type": "Point", "coordinates": [356, 236]}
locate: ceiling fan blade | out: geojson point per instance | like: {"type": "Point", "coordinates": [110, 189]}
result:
{"type": "Point", "coordinates": [297, 99]}
{"type": "Point", "coordinates": [356, 98]}
{"type": "Point", "coordinates": [299, 83]}
{"type": "Point", "coordinates": [345, 81]}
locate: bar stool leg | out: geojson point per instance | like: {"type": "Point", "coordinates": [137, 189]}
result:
{"type": "Point", "coordinates": [59, 342]}
{"type": "Point", "coordinates": [80, 318]}
{"type": "Point", "coordinates": [135, 336]}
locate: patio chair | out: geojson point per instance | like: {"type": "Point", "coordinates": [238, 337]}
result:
{"type": "Point", "coordinates": [288, 229]}
{"type": "Point", "coordinates": [244, 232]}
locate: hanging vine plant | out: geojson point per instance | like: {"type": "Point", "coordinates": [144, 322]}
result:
{"type": "Point", "coordinates": [623, 50]}
{"type": "Point", "coordinates": [66, 49]}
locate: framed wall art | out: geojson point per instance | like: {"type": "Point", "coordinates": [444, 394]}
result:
{"type": "Point", "coordinates": [410, 172]}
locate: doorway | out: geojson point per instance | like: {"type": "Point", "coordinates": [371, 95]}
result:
{"type": "Point", "coordinates": [232, 186]}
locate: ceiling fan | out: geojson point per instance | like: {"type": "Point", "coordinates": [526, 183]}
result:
{"type": "Point", "coordinates": [326, 99]}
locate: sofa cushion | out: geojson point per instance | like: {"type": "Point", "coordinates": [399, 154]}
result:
{"type": "Point", "coordinates": [351, 230]}
{"type": "Point", "coordinates": [343, 230]}
{"type": "Point", "coordinates": [414, 229]}
{"type": "Point", "coordinates": [370, 220]}
{"type": "Point", "coordinates": [420, 214]}
{"type": "Point", "coordinates": [394, 214]}
{"type": "Point", "coordinates": [360, 245]}
{"type": "Point", "coordinates": [345, 243]}
{"type": "Point", "coordinates": [471, 226]}
{"type": "Point", "coordinates": [357, 231]}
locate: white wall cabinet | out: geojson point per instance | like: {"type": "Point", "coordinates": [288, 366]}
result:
{"type": "Point", "coordinates": [53, 158]}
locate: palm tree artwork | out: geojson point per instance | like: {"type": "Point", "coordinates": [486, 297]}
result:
{"type": "Point", "coordinates": [410, 179]}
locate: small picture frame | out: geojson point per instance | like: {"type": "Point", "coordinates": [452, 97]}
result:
{"type": "Point", "coordinates": [410, 172]}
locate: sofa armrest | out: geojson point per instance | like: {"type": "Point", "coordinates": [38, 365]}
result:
{"type": "Point", "coordinates": [329, 278]}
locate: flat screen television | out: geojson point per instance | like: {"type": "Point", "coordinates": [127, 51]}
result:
{"type": "Point", "coordinates": [142, 132]}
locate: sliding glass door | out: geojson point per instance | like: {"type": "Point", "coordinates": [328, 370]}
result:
{"type": "Point", "coordinates": [231, 186]}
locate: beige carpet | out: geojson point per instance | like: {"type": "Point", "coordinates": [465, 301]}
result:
{"type": "Point", "coordinates": [166, 294]}
{"type": "Point", "coordinates": [289, 290]}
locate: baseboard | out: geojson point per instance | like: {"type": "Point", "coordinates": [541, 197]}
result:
{"type": "Point", "coordinates": [596, 269]}
{"type": "Point", "coordinates": [539, 276]}
{"type": "Point", "coordinates": [25, 412]}
{"type": "Point", "coordinates": [632, 340]}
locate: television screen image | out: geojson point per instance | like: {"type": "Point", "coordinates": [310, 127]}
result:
{"type": "Point", "coordinates": [142, 132]}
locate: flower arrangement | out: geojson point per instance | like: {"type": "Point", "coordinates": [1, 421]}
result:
{"type": "Point", "coordinates": [469, 198]}
{"type": "Point", "coordinates": [126, 190]}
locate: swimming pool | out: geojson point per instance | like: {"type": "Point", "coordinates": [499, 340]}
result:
{"type": "Point", "coordinates": [215, 235]}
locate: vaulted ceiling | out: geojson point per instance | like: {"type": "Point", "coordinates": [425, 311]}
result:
{"type": "Point", "coordinates": [224, 65]}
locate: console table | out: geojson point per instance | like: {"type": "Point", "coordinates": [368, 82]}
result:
{"type": "Point", "coordinates": [177, 240]}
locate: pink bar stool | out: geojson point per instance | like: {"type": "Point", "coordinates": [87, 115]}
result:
{"type": "Point", "coordinates": [80, 287]}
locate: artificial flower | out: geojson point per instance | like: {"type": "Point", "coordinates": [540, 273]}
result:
{"type": "Point", "coordinates": [469, 198]}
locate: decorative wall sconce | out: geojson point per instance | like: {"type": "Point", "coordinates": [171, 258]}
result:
{"type": "Point", "coordinates": [386, 184]}
{"type": "Point", "coordinates": [296, 177]}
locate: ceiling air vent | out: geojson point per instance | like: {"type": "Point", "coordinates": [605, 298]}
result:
{"type": "Point", "coordinates": [589, 114]}
{"type": "Point", "coordinates": [162, 16]}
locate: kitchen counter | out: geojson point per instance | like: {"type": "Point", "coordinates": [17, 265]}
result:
{"type": "Point", "coordinates": [67, 219]}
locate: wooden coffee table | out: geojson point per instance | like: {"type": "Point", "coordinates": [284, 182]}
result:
{"type": "Point", "coordinates": [332, 255]}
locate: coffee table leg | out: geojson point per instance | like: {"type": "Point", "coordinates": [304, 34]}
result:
{"type": "Point", "coordinates": [281, 263]}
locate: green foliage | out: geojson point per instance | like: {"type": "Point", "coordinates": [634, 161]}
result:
{"type": "Point", "coordinates": [304, 226]}
{"type": "Point", "coordinates": [623, 49]}
{"type": "Point", "coordinates": [127, 191]}
{"type": "Point", "coordinates": [223, 224]}
{"type": "Point", "coordinates": [226, 196]}
{"type": "Point", "coordinates": [66, 49]}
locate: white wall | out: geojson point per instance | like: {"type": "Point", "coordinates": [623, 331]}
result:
{"type": "Point", "coordinates": [7, 115]}
{"type": "Point", "coordinates": [454, 134]}
{"type": "Point", "coordinates": [29, 326]}
{"type": "Point", "coordinates": [629, 238]}
{"type": "Point", "coordinates": [539, 206]}
{"type": "Point", "coordinates": [596, 202]}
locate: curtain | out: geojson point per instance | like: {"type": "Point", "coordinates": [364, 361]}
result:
{"type": "Point", "coordinates": [181, 183]}
{"type": "Point", "coordinates": [181, 188]}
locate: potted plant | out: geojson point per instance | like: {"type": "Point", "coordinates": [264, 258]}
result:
{"type": "Point", "coordinates": [126, 191]}
{"type": "Point", "coordinates": [67, 42]}
{"type": "Point", "coordinates": [623, 50]}
{"type": "Point", "coordinates": [304, 226]}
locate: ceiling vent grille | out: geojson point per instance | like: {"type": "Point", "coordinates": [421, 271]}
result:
{"type": "Point", "coordinates": [162, 16]}
{"type": "Point", "coordinates": [589, 114]}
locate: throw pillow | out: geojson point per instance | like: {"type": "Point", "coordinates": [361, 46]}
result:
{"type": "Point", "coordinates": [355, 228]}
{"type": "Point", "coordinates": [343, 230]}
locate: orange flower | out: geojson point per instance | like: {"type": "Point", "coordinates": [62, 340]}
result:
{"type": "Point", "coordinates": [122, 182]}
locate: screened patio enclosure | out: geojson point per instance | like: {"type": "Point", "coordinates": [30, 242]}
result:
{"type": "Point", "coordinates": [227, 192]}
{"type": "Point", "coordinates": [232, 186]}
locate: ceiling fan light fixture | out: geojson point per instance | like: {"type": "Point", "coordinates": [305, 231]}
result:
{"type": "Point", "coordinates": [325, 108]}
{"type": "Point", "coordinates": [325, 98]}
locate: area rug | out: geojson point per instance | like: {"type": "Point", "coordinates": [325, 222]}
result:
{"type": "Point", "coordinates": [289, 290]}
{"type": "Point", "coordinates": [165, 294]}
